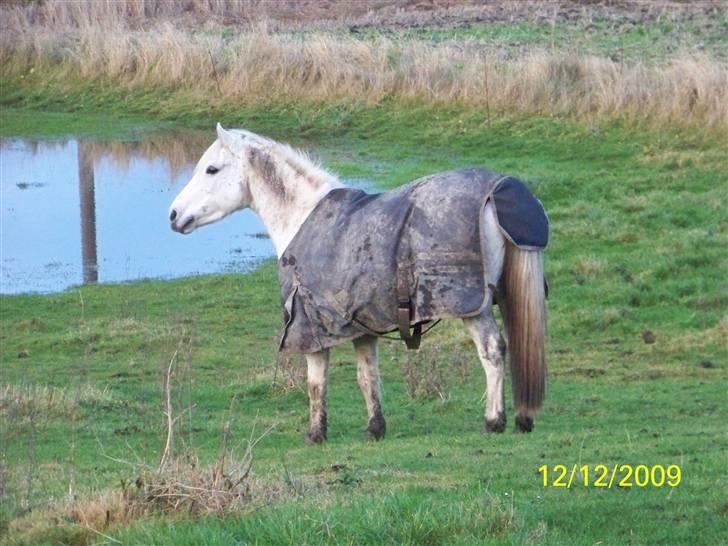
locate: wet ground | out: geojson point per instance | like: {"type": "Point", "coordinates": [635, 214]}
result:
{"type": "Point", "coordinates": [78, 211]}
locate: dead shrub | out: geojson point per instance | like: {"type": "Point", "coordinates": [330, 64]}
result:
{"type": "Point", "coordinates": [430, 372]}
{"type": "Point", "coordinates": [290, 372]}
{"type": "Point", "coordinates": [183, 486]}
{"type": "Point", "coordinates": [179, 483]}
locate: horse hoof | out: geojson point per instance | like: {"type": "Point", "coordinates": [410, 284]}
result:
{"type": "Point", "coordinates": [315, 437]}
{"type": "Point", "coordinates": [377, 428]}
{"type": "Point", "coordinates": [524, 424]}
{"type": "Point", "coordinates": [496, 425]}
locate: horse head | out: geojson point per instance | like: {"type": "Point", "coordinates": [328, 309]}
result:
{"type": "Point", "coordinates": [219, 185]}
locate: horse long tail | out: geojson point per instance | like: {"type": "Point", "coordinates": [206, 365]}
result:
{"type": "Point", "coordinates": [524, 309]}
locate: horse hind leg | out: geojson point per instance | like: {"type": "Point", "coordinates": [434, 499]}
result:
{"type": "Point", "coordinates": [491, 351]}
{"type": "Point", "coordinates": [318, 375]}
{"type": "Point", "coordinates": [367, 375]}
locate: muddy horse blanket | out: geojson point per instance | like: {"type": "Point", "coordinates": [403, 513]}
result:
{"type": "Point", "coordinates": [346, 271]}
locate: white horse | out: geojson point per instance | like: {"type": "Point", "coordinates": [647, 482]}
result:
{"type": "Point", "coordinates": [283, 186]}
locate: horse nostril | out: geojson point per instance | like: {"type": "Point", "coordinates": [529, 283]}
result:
{"type": "Point", "coordinates": [173, 215]}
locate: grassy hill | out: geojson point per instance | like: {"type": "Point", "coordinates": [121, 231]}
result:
{"type": "Point", "coordinates": [637, 354]}
{"type": "Point", "coordinates": [638, 238]}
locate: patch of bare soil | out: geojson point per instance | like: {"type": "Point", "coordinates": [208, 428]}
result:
{"type": "Point", "coordinates": [409, 14]}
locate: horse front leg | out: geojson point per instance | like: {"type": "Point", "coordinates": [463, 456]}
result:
{"type": "Point", "coordinates": [318, 376]}
{"type": "Point", "coordinates": [491, 350]}
{"type": "Point", "coordinates": [367, 375]}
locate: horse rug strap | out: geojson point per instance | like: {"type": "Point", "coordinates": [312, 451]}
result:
{"type": "Point", "coordinates": [404, 313]}
{"type": "Point", "coordinates": [372, 264]}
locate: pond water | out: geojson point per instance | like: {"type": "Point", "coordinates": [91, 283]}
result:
{"type": "Point", "coordinates": [79, 211]}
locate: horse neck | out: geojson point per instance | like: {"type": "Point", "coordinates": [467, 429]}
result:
{"type": "Point", "coordinates": [285, 187]}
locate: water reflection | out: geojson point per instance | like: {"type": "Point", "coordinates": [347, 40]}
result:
{"type": "Point", "coordinates": [121, 192]}
{"type": "Point", "coordinates": [87, 193]}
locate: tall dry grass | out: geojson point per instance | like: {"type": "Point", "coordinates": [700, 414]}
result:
{"type": "Point", "coordinates": [341, 14]}
{"type": "Point", "coordinates": [258, 66]}
{"type": "Point", "coordinates": [79, 13]}
{"type": "Point", "coordinates": [288, 14]}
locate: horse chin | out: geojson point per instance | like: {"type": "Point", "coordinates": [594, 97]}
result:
{"type": "Point", "coordinates": [199, 221]}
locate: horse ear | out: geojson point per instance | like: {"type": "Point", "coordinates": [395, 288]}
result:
{"type": "Point", "coordinates": [232, 141]}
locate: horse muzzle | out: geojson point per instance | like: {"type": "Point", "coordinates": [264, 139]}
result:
{"type": "Point", "coordinates": [181, 224]}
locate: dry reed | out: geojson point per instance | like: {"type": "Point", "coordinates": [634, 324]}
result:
{"type": "Point", "coordinates": [257, 65]}
{"type": "Point", "coordinates": [347, 15]}
{"type": "Point", "coordinates": [137, 13]}
{"type": "Point", "coordinates": [19, 401]}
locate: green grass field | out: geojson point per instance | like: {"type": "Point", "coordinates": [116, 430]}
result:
{"type": "Point", "coordinates": [638, 245]}
{"type": "Point", "coordinates": [616, 37]}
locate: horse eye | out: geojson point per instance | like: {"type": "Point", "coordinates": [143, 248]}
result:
{"type": "Point", "coordinates": [212, 170]}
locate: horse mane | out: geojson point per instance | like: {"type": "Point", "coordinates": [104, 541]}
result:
{"type": "Point", "coordinates": [299, 161]}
